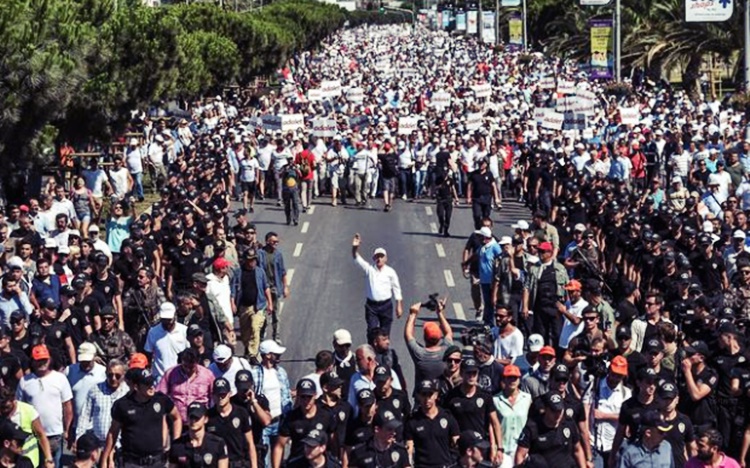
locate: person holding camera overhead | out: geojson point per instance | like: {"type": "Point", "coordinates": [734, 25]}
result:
{"type": "Point", "coordinates": [382, 287]}
{"type": "Point", "coordinates": [428, 358]}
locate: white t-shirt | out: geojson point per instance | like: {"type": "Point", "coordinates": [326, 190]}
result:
{"type": "Point", "coordinates": [508, 347]}
{"type": "Point", "coordinates": [248, 168]}
{"type": "Point", "coordinates": [165, 346]}
{"type": "Point", "coordinates": [94, 181]}
{"type": "Point", "coordinates": [221, 290]}
{"type": "Point", "coordinates": [238, 364]}
{"type": "Point", "coordinates": [47, 395]}
{"type": "Point", "coordinates": [119, 182]}
{"type": "Point", "coordinates": [264, 157]}
{"type": "Point", "coordinates": [81, 382]}
{"type": "Point", "coordinates": [569, 330]}
{"type": "Point", "coordinates": [609, 401]}
{"type": "Point", "coordinates": [272, 391]}
{"type": "Point", "coordinates": [134, 161]}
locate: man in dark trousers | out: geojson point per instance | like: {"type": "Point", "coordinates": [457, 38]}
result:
{"type": "Point", "coordinates": [481, 191]}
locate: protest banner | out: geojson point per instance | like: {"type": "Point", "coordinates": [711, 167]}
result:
{"type": "Point", "coordinates": [441, 100]}
{"type": "Point", "coordinates": [473, 120]}
{"type": "Point", "coordinates": [553, 120]}
{"type": "Point", "coordinates": [355, 95]}
{"type": "Point", "coordinates": [330, 88]}
{"type": "Point", "coordinates": [574, 121]}
{"type": "Point", "coordinates": [629, 116]}
{"type": "Point", "coordinates": [314, 95]}
{"type": "Point", "coordinates": [566, 87]}
{"type": "Point", "coordinates": [406, 125]}
{"type": "Point", "coordinates": [324, 127]}
{"type": "Point", "coordinates": [483, 90]}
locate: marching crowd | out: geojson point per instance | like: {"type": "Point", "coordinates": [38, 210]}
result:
{"type": "Point", "coordinates": [610, 328]}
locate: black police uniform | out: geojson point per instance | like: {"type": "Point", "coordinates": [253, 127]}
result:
{"type": "Point", "coordinates": [681, 434]}
{"type": "Point", "coordinates": [555, 444]}
{"type": "Point", "coordinates": [481, 185]}
{"type": "Point", "coordinates": [54, 337]}
{"type": "Point", "coordinates": [433, 438]}
{"type": "Point", "coordinates": [358, 432]}
{"type": "Point", "coordinates": [471, 412]}
{"type": "Point", "coordinates": [702, 412]}
{"type": "Point", "coordinates": [631, 414]}
{"type": "Point", "coordinates": [342, 412]}
{"type": "Point", "coordinates": [296, 426]}
{"type": "Point", "coordinates": [141, 428]}
{"type": "Point", "coordinates": [183, 454]}
{"type": "Point", "coordinates": [255, 424]}
{"type": "Point", "coordinates": [574, 410]}
{"type": "Point", "coordinates": [368, 456]}
{"type": "Point", "coordinates": [232, 429]}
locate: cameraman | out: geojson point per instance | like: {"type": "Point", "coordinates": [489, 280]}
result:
{"type": "Point", "coordinates": [580, 344]}
{"type": "Point", "coordinates": [428, 358]}
{"type": "Point", "coordinates": [602, 403]}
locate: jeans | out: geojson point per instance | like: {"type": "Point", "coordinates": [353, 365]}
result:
{"type": "Point", "coordinates": [56, 448]}
{"type": "Point", "coordinates": [488, 312]}
{"type": "Point", "coordinates": [601, 459]}
{"type": "Point", "coordinates": [403, 178]}
{"type": "Point", "coordinates": [481, 208]}
{"type": "Point", "coordinates": [275, 329]}
{"type": "Point", "coordinates": [270, 436]}
{"type": "Point", "coordinates": [444, 212]}
{"type": "Point", "coordinates": [291, 205]}
{"type": "Point", "coordinates": [419, 178]}
{"type": "Point", "coordinates": [138, 185]}
{"type": "Point", "coordinates": [307, 189]}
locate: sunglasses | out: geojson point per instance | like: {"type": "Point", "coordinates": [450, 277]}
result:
{"type": "Point", "coordinates": [108, 319]}
{"type": "Point", "coordinates": [114, 376]}
{"type": "Point", "coordinates": [454, 361]}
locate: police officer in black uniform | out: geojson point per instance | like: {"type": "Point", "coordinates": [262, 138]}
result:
{"type": "Point", "coordinates": [232, 424]}
{"type": "Point", "coordinates": [139, 418]}
{"type": "Point", "coordinates": [472, 449]}
{"type": "Point", "coordinates": [331, 400]}
{"type": "Point", "coordinates": [54, 334]}
{"type": "Point", "coordinates": [632, 410]}
{"type": "Point", "coordinates": [257, 407]}
{"type": "Point", "coordinates": [481, 191]}
{"type": "Point", "coordinates": [315, 446]}
{"type": "Point", "coordinates": [198, 448]}
{"type": "Point", "coordinates": [554, 439]}
{"type": "Point", "coordinates": [381, 450]}
{"type": "Point", "coordinates": [389, 398]}
{"type": "Point", "coordinates": [469, 404]}
{"type": "Point", "coordinates": [359, 430]}
{"type": "Point", "coordinates": [432, 431]}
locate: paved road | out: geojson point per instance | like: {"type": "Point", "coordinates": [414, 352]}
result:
{"type": "Point", "coordinates": [327, 288]}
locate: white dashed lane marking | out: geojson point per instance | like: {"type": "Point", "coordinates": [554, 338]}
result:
{"type": "Point", "coordinates": [428, 210]}
{"type": "Point", "coordinates": [297, 249]}
{"type": "Point", "coordinates": [305, 225]}
{"type": "Point", "coordinates": [449, 278]}
{"type": "Point", "coordinates": [289, 276]}
{"type": "Point", "coordinates": [440, 250]}
{"type": "Point", "coordinates": [311, 210]}
{"type": "Point", "coordinates": [459, 309]}
{"type": "Point", "coordinates": [433, 228]}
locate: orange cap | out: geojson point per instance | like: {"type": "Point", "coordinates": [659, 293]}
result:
{"type": "Point", "coordinates": [138, 361]}
{"type": "Point", "coordinates": [39, 352]}
{"type": "Point", "coordinates": [619, 365]}
{"type": "Point", "coordinates": [548, 350]}
{"type": "Point", "coordinates": [432, 331]}
{"type": "Point", "coordinates": [511, 371]}
{"type": "Point", "coordinates": [573, 285]}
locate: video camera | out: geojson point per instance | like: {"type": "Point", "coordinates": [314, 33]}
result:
{"type": "Point", "coordinates": [474, 336]}
{"type": "Point", "coordinates": [431, 303]}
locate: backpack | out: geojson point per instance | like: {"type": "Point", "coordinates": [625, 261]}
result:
{"type": "Point", "coordinates": [304, 167]}
{"type": "Point", "coordinates": [290, 177]}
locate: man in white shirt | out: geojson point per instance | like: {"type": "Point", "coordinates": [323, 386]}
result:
{"type": "Point", "coordinates": [84, 375]}
{"type": "Point", "coordinates": [61, 204]}
{"type": "Point", "coordinates": [218, 285]}
{"type": "Point", "coordinates": [134, 159]}
{"type": "Point", "coordinates": [120, 179]}
{"type": "Point", "coordinates": [165, 341]}
{"type": "Point", "coordinates": [96, 181]}
{"type": "Point", "coordinates": [99, 245]}
{"type": "Point", "coordinates": [226, 365]}
{"type": "Point", "coordinates": [49, 392]}
{"type": "Point", "coordinates": [602, 405]}
{"type": "Point", "coordinates": [572, 312]}
{"type": "Point", "coordinates": [279, 159]}
{"type": "Point", "coordinates": [382, 287]}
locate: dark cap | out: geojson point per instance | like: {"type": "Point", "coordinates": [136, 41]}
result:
{"type": "Point", "coordinates": [221, 386]}
{"type": "Point", "coordinates": [667, 391]}
{"type": "Point", "coordinates": [704, 239]}
{"type": "Point", "coordinates": [243, 380]}
{"type": "Point", "coordinates": [5, 331]}
{"type": "Point", "coordinates": [49, 303]}
{"type": "Point", "coordinates": [315, 438]}
{"type": "Point", "coordinates": [194, 330]}
{"type": "Point", "coordinates": [382, 373]}
{"type": "Point", "coordinates": [470, 439]}
{"type": "Point", "coordinates": [386, 419]}
{"type": "Point", "coordinates": [647, 373]}
{"type": "Point", "coordinates": [10, 431]}
{"type": "Point", "coordinates": [653, 419]}
{"type": "Point", "coordinates": [67, 291]}
{"type": "Point", "coordinates": [560, 372]}
{"type": "Point", "coordinates": [728, 328]}
{"type": "Point", "coordinates": [653, 345]}
{"type": "Point", "coordinates": [697, 347]}
{"type": "Point", "coordinates": [453, 349]}
{"type": "Point", "coordinates": [197, 410]}
{"type": "Point", "coordinates": [85, 446]}
{"type": "Point", "coordinates": [365, 397]}
{"type": "Point", "coordinates": [554, 401]}
{"type": "Point", "coordinates": [623, 333]}
{"type": "Point", "coordinates": [306, 387]}
{"type": "Point", "coordinates": [332, 380]}
{"type": "Point", "coordinates": [143, 377]}
{"type": "Point", "coordinates": [17, 316]}
{"type": "Point", "coordinates": [108, 311]}
{"type": "Point", "coordinates": [240, 212]}
{"type": "Point", "coordinates": [200, 278]}
{"type": "Point", "coordinates": [469, 365]}
{"type": "Point", "coordinates": [427, 386]}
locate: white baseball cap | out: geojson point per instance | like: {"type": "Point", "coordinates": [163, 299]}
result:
{"type": "Point", "coordinates": [505, 240]}
{"type": "Point", "coordinates": [167, 311]}
{"type": "Point", "coordinates": [536, 343]}
{"type": "Point", "coordinates": [379, 251]}
{"type": "Point", "coordinates": [484, 232]}
{"type": "Point", "coordinates": [271, 347]}
{"type": "Point", "coordinates": [86, 352]}
{"type": "Point", "coordinates": [522, 225]}
{"type": "Point", "coordinates": [738, 234]}
{"type": "Point", "coordinates": [93, 228]}
{"type": "Point", "coordinates": [63, 250]}
{"type": "Point", "coordinates": [15, 262]}
{"type": "Point", "coordinates": [222, 353]}
{"type": "Point", "coordinates": [342, 337]}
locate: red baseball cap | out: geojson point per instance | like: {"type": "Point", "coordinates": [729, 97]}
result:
{"type": "Point", "coordinates": [511, 371]}
{"type": "Point", "coordinates": [545, 246]}
{"type": "Point", "coordinates": [39, 352]}
{"type": "Point", "coordinates": [220, 263]}
{"type": "Point", "coordinates": [138, 361]}
{"type": "Point", "coordinates": [547, 350]}
{"type": "Point", "coordinates": [432, 331]}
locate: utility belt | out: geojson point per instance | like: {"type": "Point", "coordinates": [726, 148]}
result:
{"type": "Point", "coordinates": [147, 460]}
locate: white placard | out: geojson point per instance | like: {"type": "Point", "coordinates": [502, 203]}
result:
{"type": "Point", "coordinates": [629, 116]}
{"type": "Point", "coordinates": [291, 122]}
{"type": "Point", "coordinates": [473, 120]}
{"type": "Point", "coordinates": [564, 104]}
{"type": "Point", "coordinates": [314, 95]}
{"type": "Point", "coordinates": [553, 120]}
{"type": "Point", "coordinates": [355, 95]}
{"type": "Point", "coordinates": [708, 11]}
{"type": "Point", "coordinates": [330, 88]}
{"type": "Point", "coordinates": [324, 127]}
{"type": "Point", "coordinates": [595, 2]}
{"type": "Point", "coordinates": [406, 125]}
{"type": "Point", "coordinates": [574, 121]}
{"type": "Point", "coordinates": [587, 134]}
{"type": "Point", "coordinates": [441, 100]}
{"type": "Point", "coordinates": [566, 87]}
{"type": "Point", "coordinates": [585, 94]}
{"type": "Point", "coordinates": [288, 90]}
{"type": "Point", "coordinates": [583, 106]}
{"type": "Point", "coordinates": [539, 113]}
{"type": "Point", "coordinates": [548, 82]}
{"type": "Point", "coordinates": [483, 90]}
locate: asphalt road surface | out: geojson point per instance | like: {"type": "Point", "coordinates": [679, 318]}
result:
{"type": "Point", "coordinates": [327, 288]}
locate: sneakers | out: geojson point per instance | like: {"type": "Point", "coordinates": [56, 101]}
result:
{"type": "Point", "coordinates": [403, 197]}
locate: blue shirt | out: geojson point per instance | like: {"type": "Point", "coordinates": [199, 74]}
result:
{"type": "Point", "coordinates": [637, 456]}
{"type": "Point", "coordinates": [487, 255]}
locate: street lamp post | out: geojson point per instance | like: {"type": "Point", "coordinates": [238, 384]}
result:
{"type": "Point", "coordinates": [747, 46]}
{"type": "Point", "coordinates": [618, 41]}
{"type": "Point", "coordinates": [525, 30]}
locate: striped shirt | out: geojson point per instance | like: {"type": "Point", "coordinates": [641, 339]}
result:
{"type": "Point", "coordinates": [96, 415]}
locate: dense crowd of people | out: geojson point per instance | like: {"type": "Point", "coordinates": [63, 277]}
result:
{"type": "Point", "coordinates": [610, 328]}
